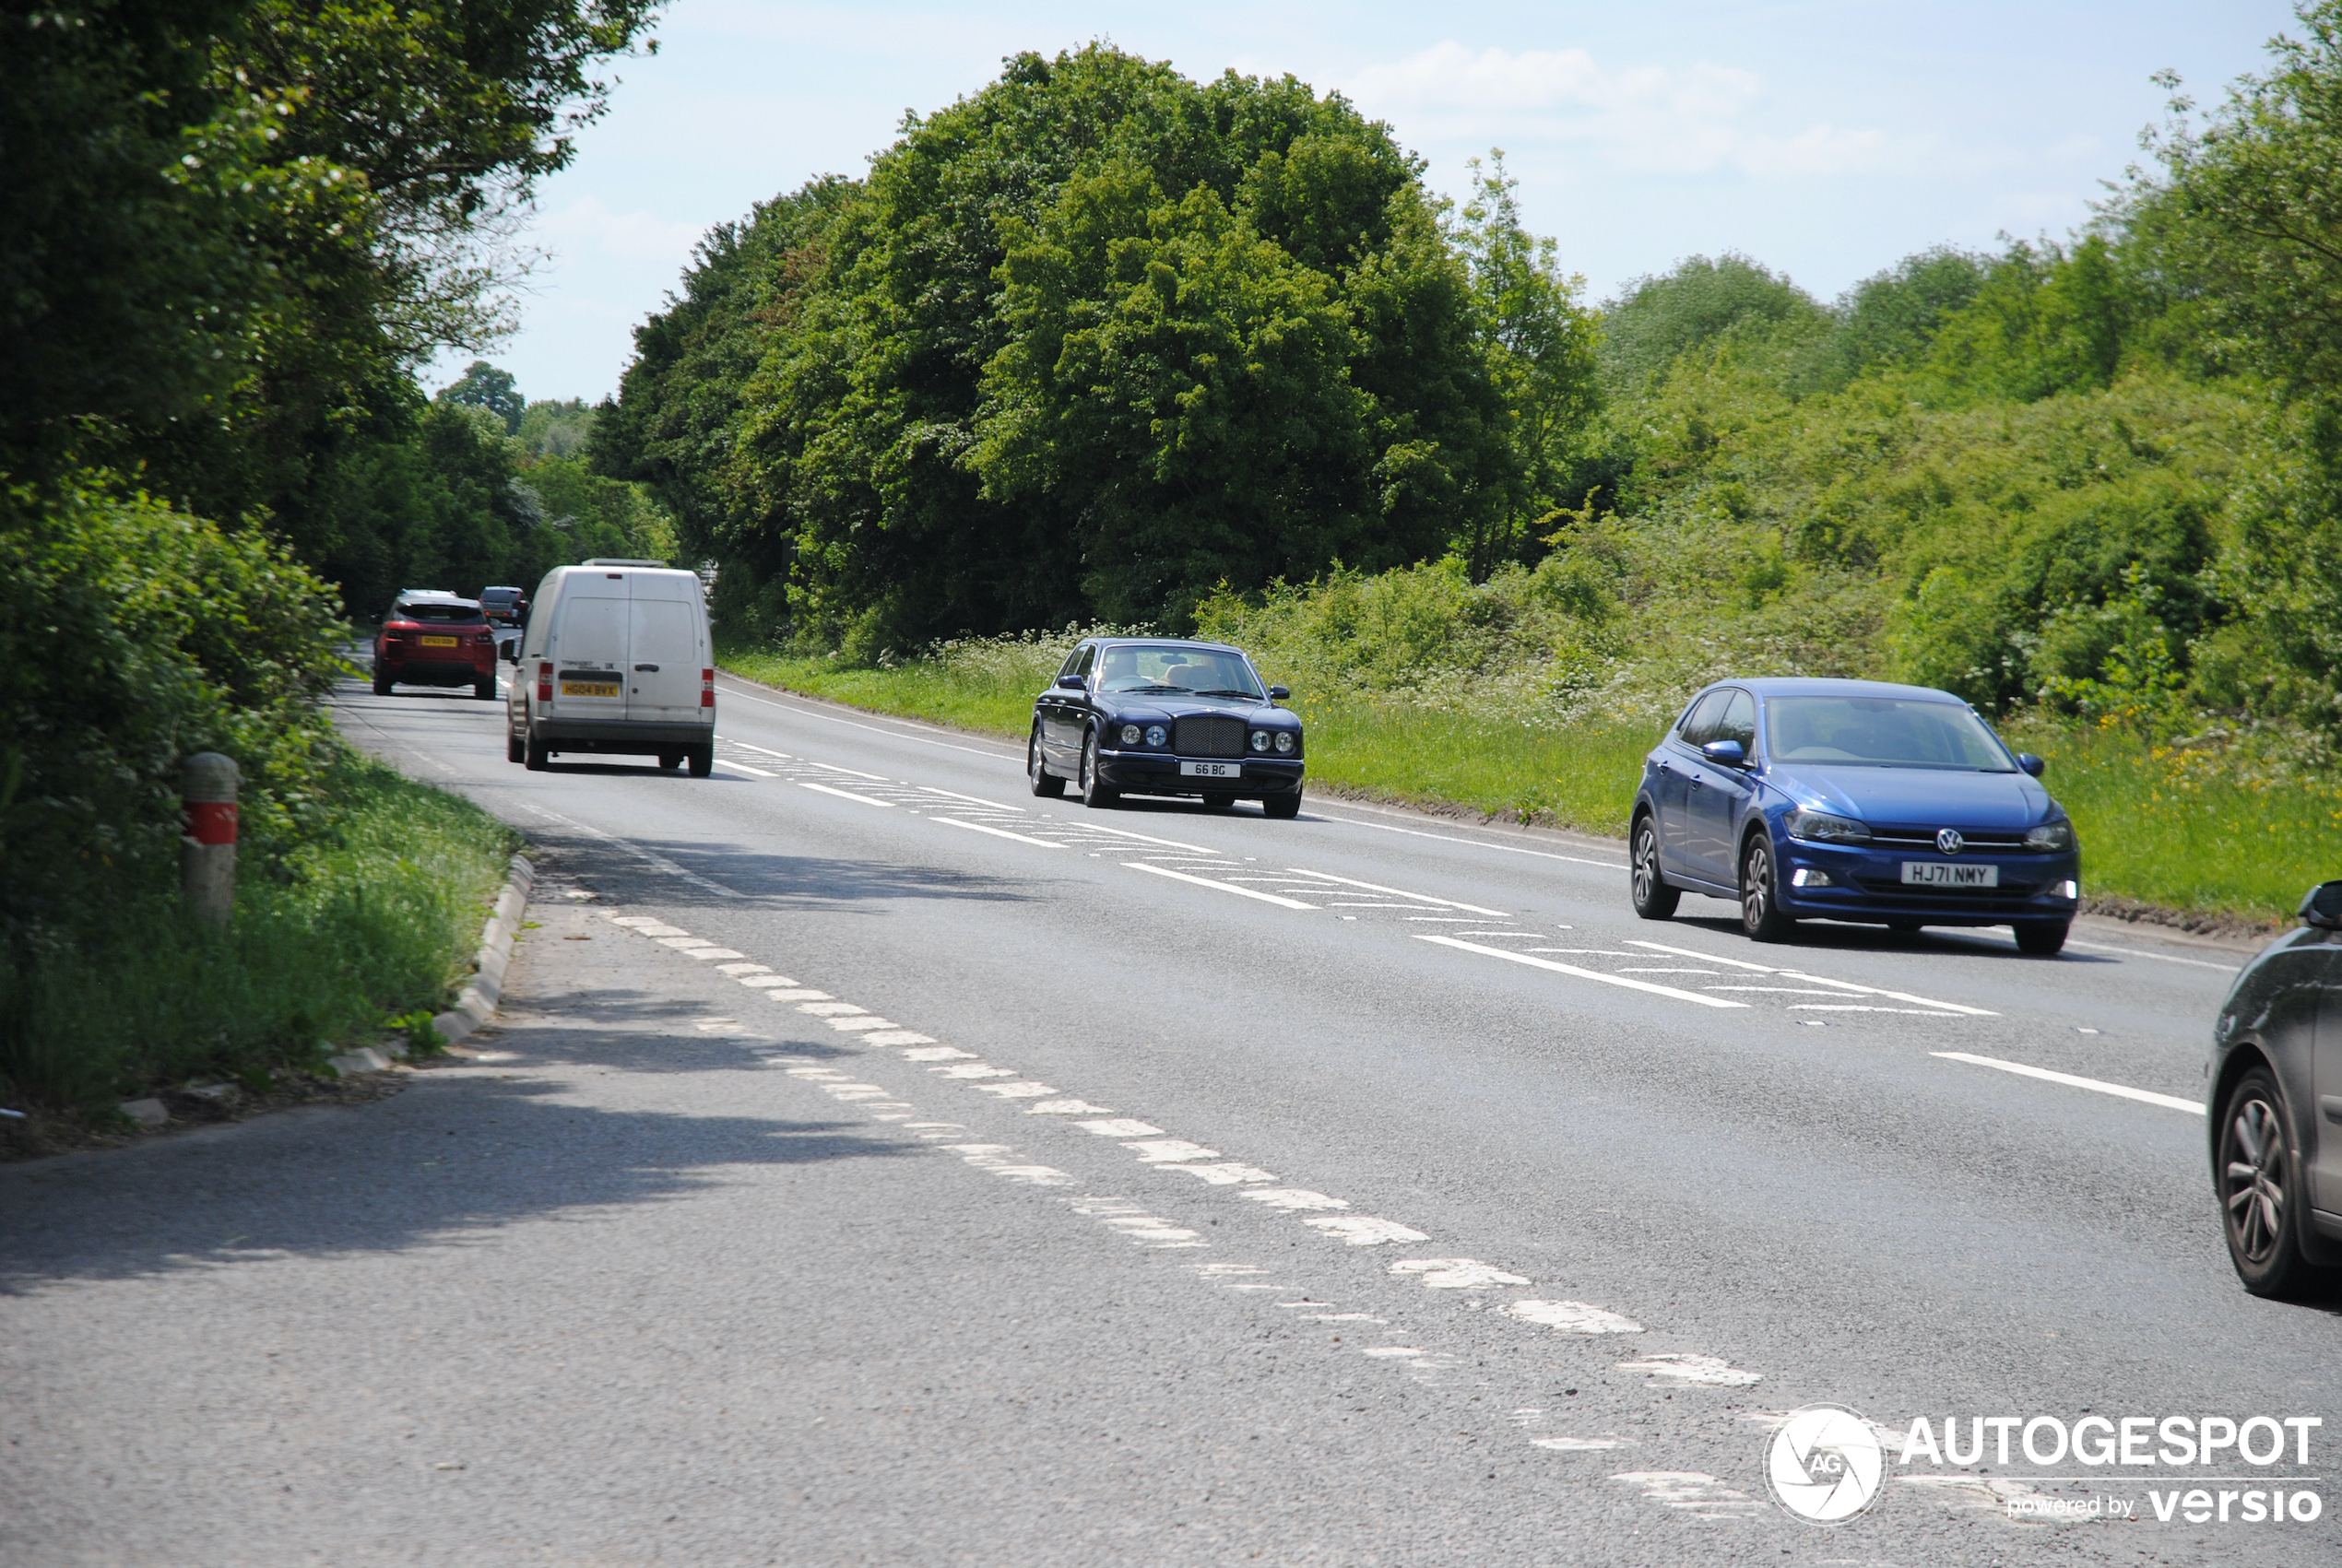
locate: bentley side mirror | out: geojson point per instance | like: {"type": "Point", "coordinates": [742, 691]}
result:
{"type": "Point", "coordinates": [1278, 694]}
{"type": "Point", "coordinates": [2321, 907]}
{"type": "Point", "coordinates": [1725, 753]}
{"type": "Point", "coordinates": [1070, 682]}
{"type": "Point", "coordinates": [2031, 764]}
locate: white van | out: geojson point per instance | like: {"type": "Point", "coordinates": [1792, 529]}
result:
{"type": "Point", "coordinates": [615, 658]}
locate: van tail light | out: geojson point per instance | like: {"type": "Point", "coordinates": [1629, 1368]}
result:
{"type": "Point", "coordinates": [544, 680]}
{"type": "Point", "coordinates": [708, 688]}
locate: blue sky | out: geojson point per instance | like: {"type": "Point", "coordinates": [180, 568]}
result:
{"type": "Point", "coordinates": [1826, 139]}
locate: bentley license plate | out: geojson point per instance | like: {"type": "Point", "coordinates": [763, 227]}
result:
{"type": "Point", "coordinates": [589, 689]}
{"type": "Point", "coordinates": [1949, 874]}
{"type": "Point", "coordinates": [437, 641]}
{"type": "Point", "coordinates": [1211, 769]}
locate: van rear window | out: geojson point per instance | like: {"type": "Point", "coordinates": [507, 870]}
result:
{"type": "Point", "coordinates": [404, 610]}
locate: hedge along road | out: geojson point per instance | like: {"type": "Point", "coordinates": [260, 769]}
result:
{"type": "Point", "coordinates": [1701, 1181]}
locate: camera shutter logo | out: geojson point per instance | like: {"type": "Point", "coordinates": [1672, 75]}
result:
{"type": "Point", "coordinates": [1949, 840]}
{"type": "Point", "coordinates": [1825, 1465]}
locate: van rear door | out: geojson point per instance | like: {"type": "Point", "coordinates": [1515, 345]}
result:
{"type": "Point", "coordinates": [589, 647]}
{"type": "Point", "coordinates": [664, 654]}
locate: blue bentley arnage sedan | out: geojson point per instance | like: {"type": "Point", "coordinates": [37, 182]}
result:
{"type": "Point", "coordinates": [1157, 717]}
{"type": "Point", "coordinates": [1851, 800]}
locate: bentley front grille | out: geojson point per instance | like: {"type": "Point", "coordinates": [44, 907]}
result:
{"type": "Point", "coordinates": [1208, 735]}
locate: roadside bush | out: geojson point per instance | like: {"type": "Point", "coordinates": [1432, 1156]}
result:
{"type": "Point", "coordinates": [135, 635]}
{"type": "Point", "coordinates": [372, 911]}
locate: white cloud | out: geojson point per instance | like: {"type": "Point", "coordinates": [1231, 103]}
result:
{"type": "Point", "coordinates": [1696, 119]}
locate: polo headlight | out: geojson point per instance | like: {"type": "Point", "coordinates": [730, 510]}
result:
{"type": "Point", "coordinates": [2051, 836]}
{"type": "Point", "coordinates": [1286, 741]}
{"type": "Point", "coordinates": [1821, 827]}
{"type": "Point", "coordinates": [1260, 740]}
{"type": "Point", "coordinates": [1130, 735]}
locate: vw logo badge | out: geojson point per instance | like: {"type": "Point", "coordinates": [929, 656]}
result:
{"type": "Point", "coordinates": [1949, 842]}
{"type": "Point", "coordinates": [1826, 1464]}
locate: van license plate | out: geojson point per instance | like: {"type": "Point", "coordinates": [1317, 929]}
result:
{"type": "Point", "coordinates": [438, 641]}
{"type": "Point", "coordinates": [587, 688]}
{"type": "Point", "coordinates": [1211, 769]}
{"type": "Point", "coordinates": [1949, 874]}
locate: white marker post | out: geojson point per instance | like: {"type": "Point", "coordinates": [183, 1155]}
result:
{"type": "Point", "coordinates": [207, 848]}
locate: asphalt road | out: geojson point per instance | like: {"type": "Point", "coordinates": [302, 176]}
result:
{"type": "Point", "coordinates": [1160, 1185]}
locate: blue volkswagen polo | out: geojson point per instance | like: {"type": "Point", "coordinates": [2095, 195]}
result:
{"type": "Point", "coordinates": [1855, 800]}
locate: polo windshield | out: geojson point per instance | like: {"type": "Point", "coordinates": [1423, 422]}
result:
{"type": "Point", "coordinates": [1171, 670]}
{"type": "Point", "coordinates": [1884, 732]}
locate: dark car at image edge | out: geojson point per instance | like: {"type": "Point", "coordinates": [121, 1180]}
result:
{"type": "Point", "coordinates": [2274, 1098]}
{"type": "Point", "coordinates": [1851, 800]}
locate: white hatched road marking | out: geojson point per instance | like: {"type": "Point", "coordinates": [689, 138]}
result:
{"type": "Point", "coordinates": [1398, 892]}
{"type": "Point", "coordinates": [1846, 986]}
{"type": "Point", "coordinates": [996, 832]}
{"type": "Point", "coordinates": [2143, 1096]}
{"type": "Point", "coordinates": [843, 795]}
{"type": "Point", "coordinates": [1222, 887]}
{"type": "Point", "coordinates": [1571, 968]}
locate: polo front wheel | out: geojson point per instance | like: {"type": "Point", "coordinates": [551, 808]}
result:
{"type": "Point", "coordinates": [1760, 913]}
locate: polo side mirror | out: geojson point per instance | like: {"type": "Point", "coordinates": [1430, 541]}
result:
{"type": "Point", "coordinates": [2321, 907]}
{"type": "Point", "coordinates": [1069, 683]}
{"type": "Point", "coordinates": [1278, 694]}
{"type": "Point", "coordinates": [1725, 753]}
{"type": "Point", "coordinates": [2031, 764]}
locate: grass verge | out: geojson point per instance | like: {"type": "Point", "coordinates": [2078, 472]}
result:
{"type": "Point", "coordinates": [2205, 831]}
{"type": "Point", "coordinates": [377, 914]}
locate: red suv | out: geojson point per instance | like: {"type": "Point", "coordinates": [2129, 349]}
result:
{"type": "Point", "coordinates": [434, 639]}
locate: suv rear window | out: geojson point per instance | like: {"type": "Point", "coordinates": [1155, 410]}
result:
{"type": "Point", "coordinates": [407, 610]}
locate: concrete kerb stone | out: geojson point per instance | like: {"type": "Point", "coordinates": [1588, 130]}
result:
{"type": "Point", "coordinates": [475, 1004]}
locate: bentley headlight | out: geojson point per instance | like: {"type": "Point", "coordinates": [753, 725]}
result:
{"type": "Point", "coordinates": [1260, 740]}
{"type": "Point", "coordinates": [1157, 734]}
{"type": "Point", "coordinates": [1130, 735]}
{"type": "Point", "coordinates": [2051, 836]}
{"type": "Point", "coordinates": [1284, 741]}
{"type": "Point", "coordinates": [1821, 827]}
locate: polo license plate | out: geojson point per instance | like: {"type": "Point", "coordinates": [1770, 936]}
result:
{"type": "Point", "coordinates": [1211, 769]}
{"type": "Point", "coordinates": [589, 688]}
{"type": "Point", "coordinates": [437, 641]}
{"type": "Point", "coordinates": [1949, 874]}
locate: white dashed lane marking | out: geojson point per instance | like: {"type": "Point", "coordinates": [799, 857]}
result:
{"type": "Point", "coordinates": [2143, 1096]}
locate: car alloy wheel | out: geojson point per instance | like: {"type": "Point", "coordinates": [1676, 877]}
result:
{"type": "Point", "coordinates": [1094, 792]}
{"type": "Point", "coordinates": [1760, 915]}
{"type": "Point", "coordinates": [2257, 1176]}
{"type": "Point", "coordinates": [1036, 769]}
{"type": "Point", "coordinates": [1653, 898]}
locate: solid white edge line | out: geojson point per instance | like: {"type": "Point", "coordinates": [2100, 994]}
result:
{"type": "Point", "coordinates": [1401, 892]}
{"type": "Point", "coordinates": [744, 768]}
{"type": "Point", "coordinates": [973, 800]}
{"type": "Point", "coordinates": [2145, 1096]}
{"type": "Point", "coordinates": [996, 832]}
{"type": "Point", "coordinates": [850, 724]}
{"type": "Point", "coordinates": [1572, 969]}
{"type": "Point", "coordinates": [844, 794]}
{"type": "Point", "coordinates": [1320, 811]}
{"type": "Point", "coordinates": [1219, 887]}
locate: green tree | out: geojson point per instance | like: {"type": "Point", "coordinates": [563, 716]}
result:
{"type": "Point", "coordinates": [1542, 351]}
{"type": "Point", "coordinates": [485, 386]}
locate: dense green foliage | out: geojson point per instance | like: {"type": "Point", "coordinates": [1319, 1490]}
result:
{"type": "Point", "coordinates": [232, 230]}
{"type": "Point", "coordinates": [1088, 343]}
